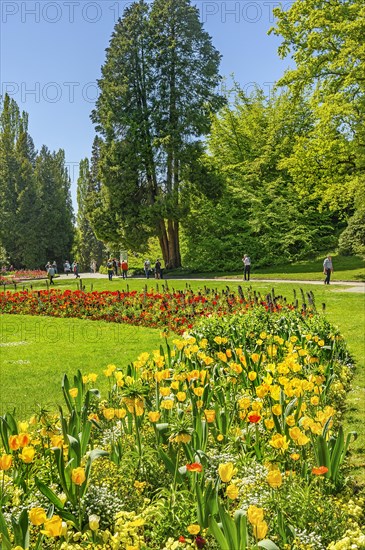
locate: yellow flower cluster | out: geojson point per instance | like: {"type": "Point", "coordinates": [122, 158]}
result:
{"type": "Point", "coordinates": [128, 532]}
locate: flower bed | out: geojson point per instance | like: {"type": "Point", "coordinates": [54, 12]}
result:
{"type": "Point", "coordinates": [174, 310]}
{"type": "Point", "coordinates": [229, 439]}
{"type": "Point", "coordinates": [22, 275]}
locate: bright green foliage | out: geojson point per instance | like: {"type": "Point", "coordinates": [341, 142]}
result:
{"type": "Point", "coordinates": [261, 212]}
{"type": "Point", "coordinates": [352, 240]}
{"type": "Point", "coordinates": [157, 93]}
{"type": "Point", "coordinates": [35, 203]}
{"type": "Point", "coordinates": [325, 39]}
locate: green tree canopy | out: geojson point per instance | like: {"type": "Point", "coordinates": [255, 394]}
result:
{"type": "Point", "coordinates": [158, 90]}
{"type": "Point", "coordinates": [261, 212]}
{"type": "Point", "coordinates": [326, 41]}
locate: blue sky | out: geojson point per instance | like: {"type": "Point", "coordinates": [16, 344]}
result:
{"type": "Point", "coordinates": [52, 52]}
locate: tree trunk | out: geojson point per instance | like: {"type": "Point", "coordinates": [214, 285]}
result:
{"type": "Point", "coordinates": [164, 242]}
{"type": "Point", "coordinates": [174, 245]}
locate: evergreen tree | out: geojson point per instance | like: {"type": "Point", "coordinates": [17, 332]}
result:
{"type": "Point", "coordinates": [26, 225]}
{"type": "Point", "coordinates": [157, 94]}
{"type": "Point", "coordinates": [88, 248]}
{"type": "Point", "coordinates": [36, 219]}
{"type": "Point", "coordinates": [9, 131]}
{"type": "Point", "coordinates": [56, 218]}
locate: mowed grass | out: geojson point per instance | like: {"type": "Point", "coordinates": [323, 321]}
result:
{"type": "Point", "coordinates": [94, 344]}
{"type": "Point", "coordinates": [35, 352]}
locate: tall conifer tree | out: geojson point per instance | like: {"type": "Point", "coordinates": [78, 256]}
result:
{"type": "Point", "coordinates": [158, 89]}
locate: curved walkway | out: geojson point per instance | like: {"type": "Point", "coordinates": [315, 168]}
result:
{"type": "Point", "coordinates": [351, 286]}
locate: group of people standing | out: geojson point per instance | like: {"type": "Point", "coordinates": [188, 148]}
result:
{"type": "Point", "coordinates": [71, 268]}
{"type": "Point", "coordinates": [157, 269]}
{"type": "Point", "coordinates": [113, 265]}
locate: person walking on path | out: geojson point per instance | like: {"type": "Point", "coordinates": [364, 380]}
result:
{"type": "Point", "coordinates": [67, 267]}
{"type": "Point", "coordinates": [147, 267]}
{"type": "Point", "coordinates": [327, 269]}
{"type": "Point", "coordinates": [75, 269]}
{"type": "Point", "coordinates": [124, 266]}
{"type": "Point", "coordinates": [110, 268]}
{"type": "Point", "coordinates": [246, 267]}
{"type": "Point", "coordinates": [158, 269]}
{"type": "Point", "coordinates": [51, 274]}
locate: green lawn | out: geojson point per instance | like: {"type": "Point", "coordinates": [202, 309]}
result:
{"type": "Point", "coordinates": [31, 372]}
{"type": "Point", "coordinates": [35, 352]}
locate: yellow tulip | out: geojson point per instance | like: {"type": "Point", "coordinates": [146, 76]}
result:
{"type": "Point", "coordinates": [27, 454]}
{"type": "Point", "coordinates": [279, 442]}
{"type": "Point", "coordinates": [290, 420]}
{"type": "Point", "coordinates": [14, 442]}
{"type": "Point", "coordinates": [154, 416]}
{"type": "Point", "coordinates": [232, 491]}
{"type": "Point", "coordinates": [274, 479]}
{"type": "Point", "coordinates": [53, 527]}
{"type": "Point", "coordinates": [73, 392]}
{"type": "Point", "coordinates": [226, 471]}
{"type": "Point", "coordinates": [294, 433]}
{"type": "Point", "coordinates": [78, 476]}
{"type": "Point", "coordinates": [167, 404]}
{"type": "Point", "coordinates": [260, 530]}
{"type": "Point", "coordinates": [57, 441]}
{"type": "Point", "coordinates": [37, 516]}
{"type": "Point", "coordinates": [108, 413]}
{"type": "Point", "coordinates": [255, 514]}
{"type": "Point", "coordinates": [5, 462]}
{"type": "Point", "coordinates": [269, 423]}
{"type": "Point", "coordinates": [23, 426]}
{"type": "Point", "coordinates": [277, 410]}
{"type": "Point", "coordinates": [302, 439]}
{"type": "Point", "coordinates": [252, 375]}
{"type": "Point", "coordinates": [23, 439]}
{"type": "Point", "coordinates": [209, 415]}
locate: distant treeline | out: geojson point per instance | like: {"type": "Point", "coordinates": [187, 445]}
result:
{"type": "Point", "coordinates": [36, 216]}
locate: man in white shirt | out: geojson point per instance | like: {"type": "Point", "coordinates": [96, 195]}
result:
{"type": "Point", "coordinates": [327, 269]}
{"type": "Point", "coordinates": [247, 267]}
